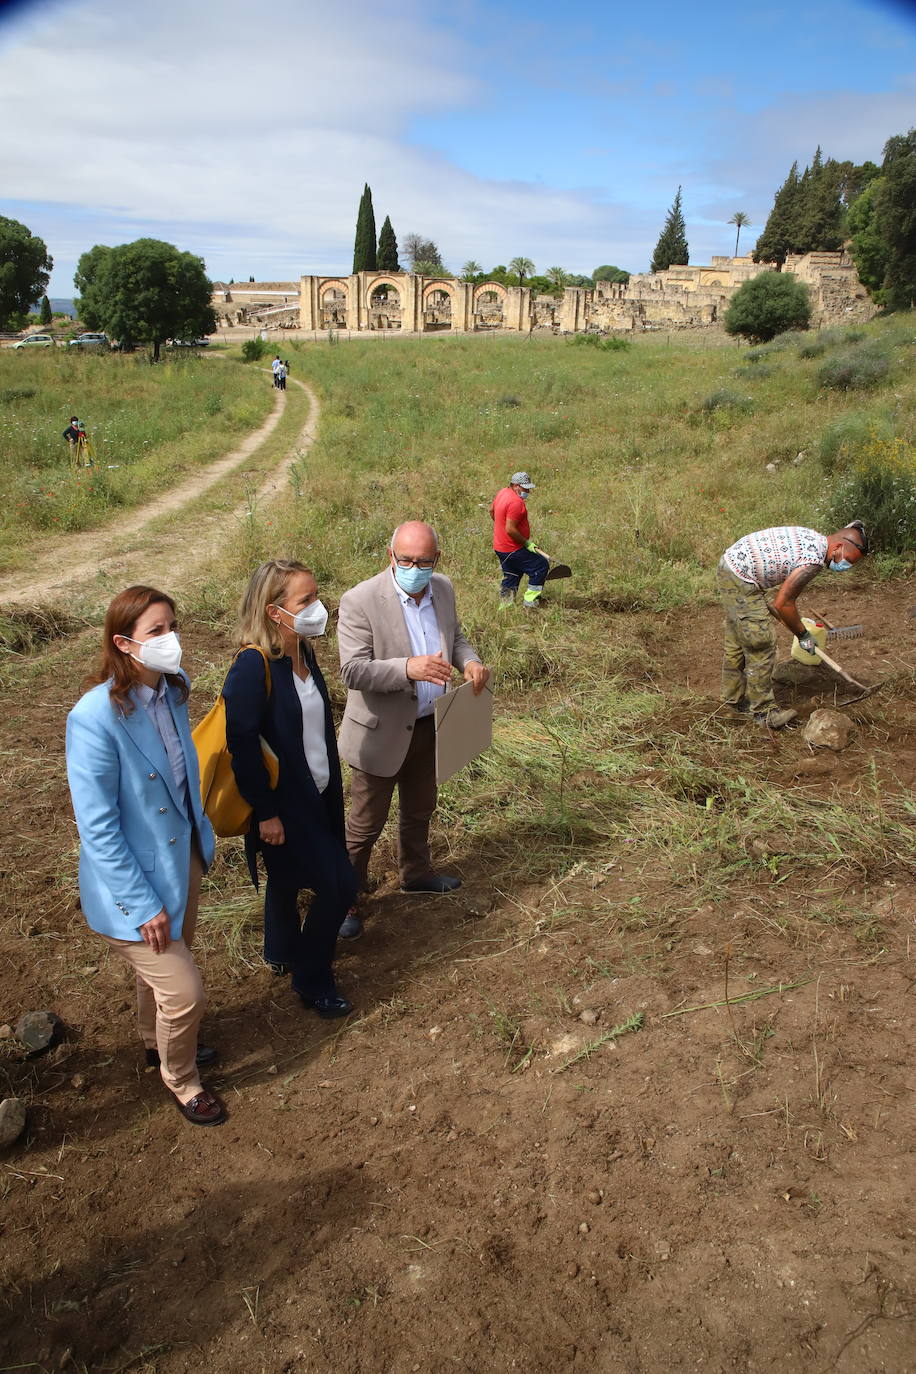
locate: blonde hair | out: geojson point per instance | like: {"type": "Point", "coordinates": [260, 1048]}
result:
{"type": "Point", "coordinates": [266, 587]}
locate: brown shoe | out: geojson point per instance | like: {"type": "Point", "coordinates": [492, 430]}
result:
{"type": "Point", "coordinates": [203, 1110]}
{"type": "Point", "coordinates": [775, 720]}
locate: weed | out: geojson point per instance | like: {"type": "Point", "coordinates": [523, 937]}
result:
{"type": "Point", "coordinates": [858, 369]}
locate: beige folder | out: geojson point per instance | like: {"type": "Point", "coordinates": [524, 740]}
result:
{"type": "Point", "coordinates": [464, 728]}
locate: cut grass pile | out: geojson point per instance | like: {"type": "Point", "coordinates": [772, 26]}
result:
{"type": "Point", "coordinates": [148, 425]}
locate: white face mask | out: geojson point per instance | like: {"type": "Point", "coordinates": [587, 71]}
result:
{"type": "Point", "coordinates": [162, 653]}
{"type": "Point", "coordinates": [310, 622]}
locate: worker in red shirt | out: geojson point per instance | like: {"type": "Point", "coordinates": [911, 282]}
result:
{"type": "Point", "coordinates": [518, 555]}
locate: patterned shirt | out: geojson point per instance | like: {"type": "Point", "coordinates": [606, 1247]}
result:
{"type": "Point", "coordinates": [768, 557]}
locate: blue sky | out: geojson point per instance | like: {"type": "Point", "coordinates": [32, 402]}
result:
{"type": "Point", "coordinates": [244, 132]}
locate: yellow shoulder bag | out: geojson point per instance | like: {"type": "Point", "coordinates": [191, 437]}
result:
{"type": "Point", "coordinates": [227, 809]}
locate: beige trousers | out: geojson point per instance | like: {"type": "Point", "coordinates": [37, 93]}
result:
{"type": "Point", "coordinates": [370, 801]}
{"type": "Point", "coordinates": [170, 995]}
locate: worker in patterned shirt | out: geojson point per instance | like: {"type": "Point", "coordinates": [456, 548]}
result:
{"type": "Point", "coordinates": [787, 557]}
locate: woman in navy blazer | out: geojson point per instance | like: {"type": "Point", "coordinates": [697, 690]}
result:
{"type": "Point", "coordinates": [298, 827]}
{"type": "Point", "coordinates": [144, 839]}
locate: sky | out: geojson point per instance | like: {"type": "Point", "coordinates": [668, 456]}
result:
{"type": "Point", "coordinates": [244, 132]}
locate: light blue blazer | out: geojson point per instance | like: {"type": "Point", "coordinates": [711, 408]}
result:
{"type": "Point", "coordinates": [133, 825]}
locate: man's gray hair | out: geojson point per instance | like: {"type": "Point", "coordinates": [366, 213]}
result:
{"type": "Point", "coordinates": [414, 522]}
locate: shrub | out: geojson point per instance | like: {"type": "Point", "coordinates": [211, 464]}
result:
{"type": "Point", "coordinates": [610, 344]}
{"type": "Point", "coordinates": [880, 488]}
{"type": "Point", "coordinates": [855, 370]}
{"type": "Point", "coordinates": [723, 399]}
{"type": "Point", "coordinates": [253, 350]}
{"type": "Point", "coordinates": [768, 305]}
{"type": "Point", "coordinates": [845, 438]}
{"type": "Point", "coordinates": [816, 348]}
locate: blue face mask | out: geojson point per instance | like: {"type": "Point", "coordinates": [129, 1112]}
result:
{"type": "Point", "coordinates": [839, 565]}
{"type": "Point", "coordinates": [412, 580]}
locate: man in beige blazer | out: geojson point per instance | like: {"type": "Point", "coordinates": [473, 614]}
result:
{"type": "Point", "coordinates": [399, 639]}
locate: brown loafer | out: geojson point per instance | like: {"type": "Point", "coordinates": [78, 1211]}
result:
{"type": "Point", "coordinates": [203, 1110]}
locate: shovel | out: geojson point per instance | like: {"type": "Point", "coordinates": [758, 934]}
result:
{"type": "Point", "coordinates": [557, 570]}
{"type": "Point", "coordinates": [840, 672]}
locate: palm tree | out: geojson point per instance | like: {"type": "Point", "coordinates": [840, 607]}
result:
{"type": "Point", "coordinates": [522, 267]}
{"type": "Point", "coordinates": [740, 219]}
{"type": "Point", "coordinates": [557, 276]}
{"type": "Point", "coordinates": [471, 269]}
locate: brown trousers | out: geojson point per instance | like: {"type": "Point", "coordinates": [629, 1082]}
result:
{"type": "Point", "coordinates": [370, 802]}
{"type": "Point", "coordinates": [170, 995]}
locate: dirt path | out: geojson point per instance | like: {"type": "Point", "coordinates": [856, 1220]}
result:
{"type": "Point", "coordinates": [131, 548]}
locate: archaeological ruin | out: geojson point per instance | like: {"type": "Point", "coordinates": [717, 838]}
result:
{"type": "Point", "coordinates": [680, 298]}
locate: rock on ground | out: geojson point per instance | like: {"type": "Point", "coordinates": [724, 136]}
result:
{"type": "Point", "coordinates": [827, 729]}
{"type": "Point", "coordinates": [12, 1121]}
{"type": "Point", "coordinates": [37, 1029]}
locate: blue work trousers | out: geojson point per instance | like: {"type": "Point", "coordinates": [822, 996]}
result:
{"type": "Point", "coordinates": [518, 564]}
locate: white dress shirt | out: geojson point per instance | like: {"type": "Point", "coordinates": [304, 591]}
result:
{"type": "Point", "coordinates": [423, 630]}
{"type": "Point", "coordinates": [314, 741]}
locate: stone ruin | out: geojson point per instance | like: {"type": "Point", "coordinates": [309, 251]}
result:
{"type": "Point", "coordinates": [679, 298]}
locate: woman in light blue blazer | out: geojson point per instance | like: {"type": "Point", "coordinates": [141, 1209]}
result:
{"type": "Point", "coordinates": [144, 839]}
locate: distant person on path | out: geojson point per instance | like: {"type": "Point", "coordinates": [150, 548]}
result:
{"type": "Point", "coordinates": [298, 827]}
{"type": "Point", "coordinates": [517, 553]}
{"type": "Point", "coordinates": [275, 369]}
{"type": "Point", "coordinates": [399, 638]}
{"type": "Point", "coordinates": [787, 557]}
{"type": "Point", "coordinates": [281, 376]}
{"type": "Point", "coordinates": [144, 839]}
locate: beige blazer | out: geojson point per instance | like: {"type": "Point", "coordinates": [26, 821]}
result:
{"type": "Point", "coordinates": [374, 648]}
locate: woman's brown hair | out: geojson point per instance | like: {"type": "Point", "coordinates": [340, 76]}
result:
{"type": "Point", "coordinates": [114, 665]}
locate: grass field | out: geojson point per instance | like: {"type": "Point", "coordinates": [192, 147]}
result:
{"type": "Point", "coordinates": [149, 426]}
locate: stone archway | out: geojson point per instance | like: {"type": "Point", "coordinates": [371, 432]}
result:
{"type": "Point", "coordinates": [383, 302]}
{"type": "Point", "coordinates": [490, 305]}
{"type": "Point", "coordinates": [440, 305]}
{"type": "Point", "coordinates": [334, 302]}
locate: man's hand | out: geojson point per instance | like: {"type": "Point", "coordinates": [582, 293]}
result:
{"type": "Point", "coordinates": [272, 832]}
{"type": "Point", "coordinates": [478, 675]}
{"type": "Point", "coordinates": [429, 668]}
{"type": "Point", "coordinates": [807, 642]}
{"type": "Point", "coordinates": [156, 932]}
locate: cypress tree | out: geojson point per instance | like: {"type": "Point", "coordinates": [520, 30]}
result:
{"type": "Point", "coordinates": [45, 315]}
{"type": "Point", "coordinates": [782, 229]}
{"type": "Point", "coordinates": [364, 255]}
{"type": "Point", "coordinates": [671, 249]}
{"type": "Point", "coordinates": [388, 249]}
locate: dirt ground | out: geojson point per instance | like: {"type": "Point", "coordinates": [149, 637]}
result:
{"type": "Point", "coordinates": [435, 1185]}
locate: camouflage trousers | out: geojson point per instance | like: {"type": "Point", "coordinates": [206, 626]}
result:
{"type": "Point", "coordinates": [750, 644]}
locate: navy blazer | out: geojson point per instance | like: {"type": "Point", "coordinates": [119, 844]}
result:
{"type": "Point", "coordinates": [311, 819]}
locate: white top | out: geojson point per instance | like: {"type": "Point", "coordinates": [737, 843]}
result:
{"type": "Point", "coordinates": [423, 630]}
{"type": "Point", "coordinates": [313, 737]}
{"type": "Point", "coordinates": [767, 557]}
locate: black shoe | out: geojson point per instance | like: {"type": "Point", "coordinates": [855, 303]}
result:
{"type": "Point", "coordinates": [280, 970]}
{"type": "Point", "coordinates": [351, 927]}
{"type": "Point", "coordinates": [205, 1055]}
{"type": "Point", "coordinates": [436, 882]}
{"type": "Point", "coordinates": [328, 1007]}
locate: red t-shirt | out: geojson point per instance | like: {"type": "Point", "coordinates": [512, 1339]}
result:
{"type": "Point", "coordinates": [507, 504]}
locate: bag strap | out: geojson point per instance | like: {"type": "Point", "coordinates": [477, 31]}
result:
{"type": "Point", "coordinates": [265, 658]}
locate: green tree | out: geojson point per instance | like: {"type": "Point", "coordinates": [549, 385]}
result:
{"type": "Point", "coordinates": [740, 221]}
{"type": "Point", "coordinates": [388, 249]}
{"type": "Point", "coordinates": [364, 250]}
{"type": "Point", "coordinates": [45, 313]}
{"type": "Point", "coordinates": [869, 250]}
{"type": "Point", "coordinates": [423, 255]}
{"type": "Point", "coordinates": [145, 292]}
{"type": "Point", "coordinates": [822, 214]}
{"type": "Point", "coordinates": [608, 273]}
{"type": "Point", "coordinates": [522, 267]}
{"type": "Point", "coordinates": [896, 216]}
{"type": "Point", "coordinates": [781, 231]}
{"type": "Point", "coordinates": [671, 249]}
{"type": "Point", "coordinates": [25, 269]}
{"type": "Point", "coordinates": [471, 270]}
{"type": "Point", "coordinates": [558, 277]}
{"type": "Point", "coordinates": [767, 305]}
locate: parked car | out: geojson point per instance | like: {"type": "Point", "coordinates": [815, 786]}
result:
{"type": "Point", "coordinates": [188, 343]}
{"type": "Point", "coordinates": [90, 341]}
{"type": "Point", "coordinates": [35, 341]}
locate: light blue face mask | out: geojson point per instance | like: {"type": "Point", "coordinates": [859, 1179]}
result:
{"type": "Point", "coordinates": [412, 580]}
{"type": "Point", "coordinates": [839, 565]}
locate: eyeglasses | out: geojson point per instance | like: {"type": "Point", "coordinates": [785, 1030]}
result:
{"type": "Point", "coordinates": [416, 562]}
{"type": "Point", "coordinates": [854, 545]}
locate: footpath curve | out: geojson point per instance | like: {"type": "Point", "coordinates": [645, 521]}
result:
{"type": "Point", "coordinates": [129, 550]}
